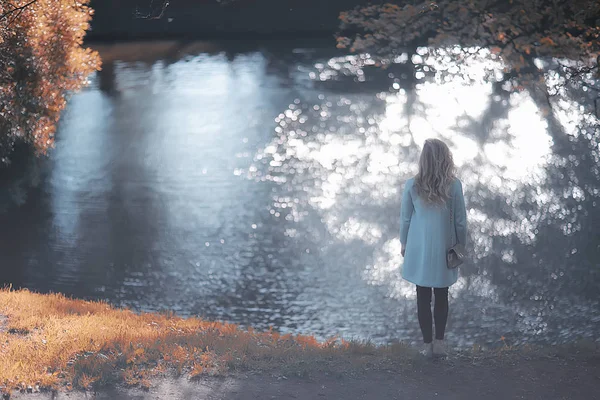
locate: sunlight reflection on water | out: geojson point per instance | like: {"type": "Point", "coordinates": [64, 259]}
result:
{"type": "Point", "coordinates": [358, 157]}
{"type": "Point", "coordinates": [263, 188]}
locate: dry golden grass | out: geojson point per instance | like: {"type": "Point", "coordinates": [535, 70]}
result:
{"type": "Point", "coordinates": [55, 342]}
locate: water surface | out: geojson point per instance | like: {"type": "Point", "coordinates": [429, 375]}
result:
{"type": "Point", "coordinates": [260, 184]}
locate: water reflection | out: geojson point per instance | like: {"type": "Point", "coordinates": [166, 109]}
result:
{"type": "Point", "coordinates": [506, 150]}
{"type": "Point", "coordinates": [262, 186]}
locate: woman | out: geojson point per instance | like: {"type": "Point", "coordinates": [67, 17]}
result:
{"type": "Point", "coordinates": [425, 234]}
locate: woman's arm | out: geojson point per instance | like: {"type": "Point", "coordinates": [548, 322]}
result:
{"type": "Point", "coordinates": [405, 215]}
{"type": "Point", "coordinates": [460, 215]}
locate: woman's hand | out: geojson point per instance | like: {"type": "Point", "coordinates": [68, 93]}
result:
{"type": "Point", "coordinates": [403, 250]}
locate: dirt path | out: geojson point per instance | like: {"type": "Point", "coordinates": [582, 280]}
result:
{"type": "Point", "coordinates": [517, 378]}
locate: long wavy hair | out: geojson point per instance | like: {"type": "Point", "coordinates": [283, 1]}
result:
{"type": "Point", "coordinates": [436, 172]}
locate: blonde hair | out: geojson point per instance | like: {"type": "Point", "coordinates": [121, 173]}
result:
{"type": "Point", "coordinates": [436, 172]}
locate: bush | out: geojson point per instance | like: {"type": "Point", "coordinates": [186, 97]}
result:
{"type": "Point", "coordinates": [42, 59]}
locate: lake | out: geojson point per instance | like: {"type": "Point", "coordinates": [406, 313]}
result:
{"type": "Point", "coordinates": [260, 184]}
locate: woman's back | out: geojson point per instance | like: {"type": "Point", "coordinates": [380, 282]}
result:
{"type": "Point", "coordinates": [426, 233]}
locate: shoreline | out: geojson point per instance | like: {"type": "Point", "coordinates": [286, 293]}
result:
{"type": "Point", "coordinates": [55, 345]}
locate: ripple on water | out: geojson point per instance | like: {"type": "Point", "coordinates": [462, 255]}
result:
{"type": "Point", "coordinates": [265, 189]}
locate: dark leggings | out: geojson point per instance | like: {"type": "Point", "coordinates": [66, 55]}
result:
{"type": "Point", "coordinates": [440, 312]}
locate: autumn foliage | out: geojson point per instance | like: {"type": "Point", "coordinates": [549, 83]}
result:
{"type": "Point", "coordinates": [519, 31]}
{"type": "Point", "coordinates": [42, 59]}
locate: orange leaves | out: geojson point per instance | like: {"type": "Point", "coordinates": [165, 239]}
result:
{"type": "Point", "coordinates": [519, 30]}
{"type": "Point", "coordinates": [547, 41]}
{"type": "Point", "coordinates": [390, 8]}
{"type": "Point", "coordinates": [45, 59]}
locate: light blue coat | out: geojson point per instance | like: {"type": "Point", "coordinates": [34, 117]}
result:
{"type": "Point", "coordinates": [425, 232]}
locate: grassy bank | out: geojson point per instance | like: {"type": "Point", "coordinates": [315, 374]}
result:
{"type": "Point", "coordinates": [51, 342]}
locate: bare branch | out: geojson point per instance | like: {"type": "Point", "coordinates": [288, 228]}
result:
{"type": "Point", "coordinates": [16, 9]}
{"type": "Point", "coordinates": [152, 14]}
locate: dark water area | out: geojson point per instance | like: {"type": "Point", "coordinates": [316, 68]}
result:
{"type": "Point", "coordinates": [217, 19]}
{"type": "Point", "coordinates": [260, 185]}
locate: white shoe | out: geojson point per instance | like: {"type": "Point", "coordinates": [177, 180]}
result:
{"type": "Point", "coordinates": [439, 348]}
{"type": "Point", "coordinates": [427, 350]}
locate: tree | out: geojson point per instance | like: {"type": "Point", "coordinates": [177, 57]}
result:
{"type": "Point", "coordinates": [42, 60]}
{"type": "Point", "coordinates": [520, 32]}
